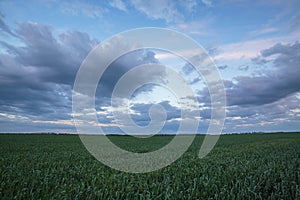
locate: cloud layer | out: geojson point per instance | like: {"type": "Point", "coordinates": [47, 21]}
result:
{"type": "Point", "coordinates": [271, 85]}
{"type": "Point", "coordinates": [39, 62]}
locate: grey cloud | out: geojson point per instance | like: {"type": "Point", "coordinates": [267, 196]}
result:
{"type": "Point", "coordinates": [188, 69]}
{"type": "Point", "coordinates": [243, 67]}
{"type": "Point", "coordinates": [259, 90]}
{"type": "Point", "coordinates": [195, 80]}
{"type": "Point", "coordinates": [56, 58]}
{"type": "Point", "coordinates": [143, 109]}
{"type": "Point", "coordinates": [173, 116]}
{"type": "Point", "coordinates": [203, 97]}
{"type": "Point", "coordinates": [272, 86]}
{"type": "Point", "coordinates": [192, 74]}
{"type": "Point", "coordinates": [142, 117]}
{"type": "Point", "coordinates": [259, 60]}
{"type": "Point", "coordinates": [291, 50]}
{"type": "Point", "coordinates": [36, 79]}
{"type": "Point", "coordinates": [277, 114]}
{"type": "Point", "coordinates": [222, 67]}
{"type": "Point", "coordinates": [122, 65]}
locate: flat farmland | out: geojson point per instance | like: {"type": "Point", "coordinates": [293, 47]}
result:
{"type": "Point", "coordinates": [241, 166]}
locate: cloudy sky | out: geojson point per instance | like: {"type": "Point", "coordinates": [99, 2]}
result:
{"type": "Point", "coordinates": [254, 44]}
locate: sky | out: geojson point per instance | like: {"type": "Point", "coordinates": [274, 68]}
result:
{"type": "Point", "coordinates": [254, 44]}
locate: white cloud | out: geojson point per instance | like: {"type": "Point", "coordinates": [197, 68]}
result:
{"type": "Point", "coordinates": [207, 2]}
{"type": "Point", "coordinates": [82, 8]}
{"type": "Point", "coordinates": [189, 5]}
{"type": "Point", "coordinates": [196, 27]}
{"type": "Point", "coordinates": [119, 4]}
{"type": "Point", "coordinates": [13, 116]}
{"type": "Point", "coordinates": [61, 122]}
{"type": "Point", "coordinates": [159, 9]}
{"type": "Point", "coordinates": [263, 31]}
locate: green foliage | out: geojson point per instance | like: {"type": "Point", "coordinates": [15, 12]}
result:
{"type": "Point", "coordinates": [253, 166]}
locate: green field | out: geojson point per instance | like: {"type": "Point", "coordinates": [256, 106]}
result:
{"type": "Point", "coordinates": [248, 166]}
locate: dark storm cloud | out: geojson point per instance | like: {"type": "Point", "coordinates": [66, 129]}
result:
{"type": "Point", "coordinates": [36, 79]}
{"type": "Point", "coordinates": [273, 85]}
{"type": "Point", "coordinates": [60, 56]}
